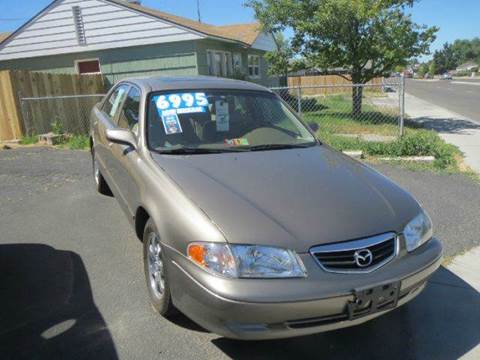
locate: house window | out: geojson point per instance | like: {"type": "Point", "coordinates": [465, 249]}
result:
{"type": "Point", "coordinates": [237, 63]}
{"type": "Point", "coordinates": [88, 67]}
{"type": "Point", "coordinates": [219, 63]}
{"type": "Point", "coordinates": [254, 66]}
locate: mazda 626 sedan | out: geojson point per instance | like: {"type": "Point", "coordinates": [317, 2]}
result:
{"type": "Point", "coordinates": [250, 225]}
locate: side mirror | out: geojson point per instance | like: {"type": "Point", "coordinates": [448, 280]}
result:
{"type": "Point", "coordinates": [314, 126]}
{"type": "Point", "coordinates": [122, 136]}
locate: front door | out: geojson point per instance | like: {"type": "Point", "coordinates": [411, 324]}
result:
{"type": "Point", "coordinates": [124, 156]}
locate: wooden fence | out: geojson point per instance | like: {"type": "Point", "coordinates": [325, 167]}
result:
{"type": "Point", "coordinates": [15, 85]}
{"type": "Point", "coordinates": [10, 117]}
{"type": "Point", "coordinates": [325, 84]}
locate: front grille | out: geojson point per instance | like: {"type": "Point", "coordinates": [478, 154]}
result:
{"type": "Point", "coordinates": [363, 255]}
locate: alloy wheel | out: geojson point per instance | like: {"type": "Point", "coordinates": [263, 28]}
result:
{"type": "Point", "coordinates": [155, 265]}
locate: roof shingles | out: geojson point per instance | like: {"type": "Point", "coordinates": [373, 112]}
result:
{"type": "Point", "coordinates": [246, 34]}
{"type": "Point", "coordinates": [4, 35]}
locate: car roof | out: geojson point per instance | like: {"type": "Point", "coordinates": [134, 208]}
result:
{"type": "Point", "coordinates": [161, 83]}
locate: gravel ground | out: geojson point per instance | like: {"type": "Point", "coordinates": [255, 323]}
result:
{"type": "Point", "coordinates": [72, 281]}
{"type": "Point", "coordinates": [30, 171]}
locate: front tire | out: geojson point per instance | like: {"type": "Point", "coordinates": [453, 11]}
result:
{"type": "Point", "coordinates": [154, 261]}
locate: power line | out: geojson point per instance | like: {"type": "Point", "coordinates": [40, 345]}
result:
{"type": "Point", "coordinates": [198, 11]}
{"type": "Point", "coordinates": [12, 19]}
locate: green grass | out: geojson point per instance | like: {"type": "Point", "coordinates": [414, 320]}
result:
{"type": "Point", "coordinates": [334, 115]}
{"type": "Point", "coordinates": [73, 142]}
{"type": "Point", "coordinates": [415, 143]}
{"type": "Point", "coordinates": [29, 140]}
{"type": "Point", "coordinates": [78, 142]}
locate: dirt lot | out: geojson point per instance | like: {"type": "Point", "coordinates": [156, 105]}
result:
{"type": "Point", "coordinates": [72, 281]}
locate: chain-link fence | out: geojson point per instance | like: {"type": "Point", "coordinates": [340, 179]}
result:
{"type": "Point", "coordinates": [68, 113]}
{"type": "Point", "coordinates": [369, 111]}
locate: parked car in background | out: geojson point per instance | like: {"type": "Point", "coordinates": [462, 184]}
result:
{"type": "Point", "coordinates": [446, 76]}
{"type": "Point", "coordinates": [250, 225]}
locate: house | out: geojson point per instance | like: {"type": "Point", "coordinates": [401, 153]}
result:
{"type": "Point", "coordinates": [468, 67]}
{"type": "Point", "coordinates": [122, 38]}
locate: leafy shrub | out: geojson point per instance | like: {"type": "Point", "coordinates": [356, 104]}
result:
{"type": "Point", "coordinates": [414, 143]}
{"type": "Point", "coordinates": [78, 142]}
{"type": "Point", "coordinates": [57, 127]}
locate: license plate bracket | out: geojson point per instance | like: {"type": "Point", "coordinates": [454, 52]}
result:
{"type": "Point", "coordinates": [373, 300]}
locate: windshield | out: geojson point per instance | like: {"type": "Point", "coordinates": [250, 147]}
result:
{"type": "Point", "coordinates": [221, 121]}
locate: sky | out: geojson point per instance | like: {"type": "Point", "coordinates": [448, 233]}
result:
{"type": "Point", "coordinates": [456, 19]}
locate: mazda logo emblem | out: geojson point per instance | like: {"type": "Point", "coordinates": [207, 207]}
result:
{"type": "Point", "coordinates": [363, 258]}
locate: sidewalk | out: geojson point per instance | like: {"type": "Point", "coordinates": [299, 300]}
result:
{"type": "Point", "coordinates": [452, 127]}
{"type": "Point", "coordinates": [461, 280]}
{"type": "Point", "coordinates": [467, 268]}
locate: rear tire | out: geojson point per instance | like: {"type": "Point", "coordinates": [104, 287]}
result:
{"type": "Point", "coordinates": [100, 184]}
{"type": "Point", "coordinates": [155, 269]}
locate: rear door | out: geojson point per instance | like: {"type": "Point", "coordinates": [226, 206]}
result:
{"type": "Point", "coordinates": [105, 119]}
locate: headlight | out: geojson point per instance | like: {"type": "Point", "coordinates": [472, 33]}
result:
{"type": "Point", "coordinates": [418, 231]}
{"type": "Point", "coordinates": [267, 262]}
{"type": "Point", "coordinates": [247, 261]}
{"type": "Point", "coordinates": [214, 257]}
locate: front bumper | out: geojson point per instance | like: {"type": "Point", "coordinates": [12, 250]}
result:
{"type": "Point", "coordinates": [278, 308]}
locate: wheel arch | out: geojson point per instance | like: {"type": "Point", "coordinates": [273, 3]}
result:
{"type": "Point", "coordinates": [90, 139]}
{"type": "Point", "coordinates": [141, 218]}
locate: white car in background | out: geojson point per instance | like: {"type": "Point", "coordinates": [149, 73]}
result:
{"type": "Point", "coordinates": [446, 76]}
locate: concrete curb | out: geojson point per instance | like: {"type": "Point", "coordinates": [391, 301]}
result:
{"type": "Point", "coordinates": [354, 154]}
{"type": "Point", "coordinates": [409, 158]}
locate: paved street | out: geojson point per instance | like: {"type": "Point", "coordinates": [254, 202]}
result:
{"type": "Point", "coordinates": [72, 286]}
{"type": "Point", "coordinates": [451, 108]}
{"type": "Point", "coordinates": [460, 96]}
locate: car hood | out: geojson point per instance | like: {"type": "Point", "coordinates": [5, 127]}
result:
{"type": "Point", "coordinates": [294, 198]}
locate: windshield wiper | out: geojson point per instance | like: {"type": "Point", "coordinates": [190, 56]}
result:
{"type": "Point", "coordinates": [280, 146]}
{"type": "Point", "coordinates": [195, 151]}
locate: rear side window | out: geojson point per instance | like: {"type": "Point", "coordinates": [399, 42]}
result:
{"type": "Point", "coordinates": [113, 103]}
{"type": "Point", "coordinates": [129, 115]}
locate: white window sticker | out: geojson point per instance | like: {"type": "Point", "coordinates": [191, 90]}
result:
{"type": "Point", "coordinates": [223, 116]}
{"type": "Point", "coordinates": [184, 103]}
{"type": "Point", "coordinates": [171, 123]}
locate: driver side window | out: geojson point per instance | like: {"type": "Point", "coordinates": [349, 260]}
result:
{"type": "Point", "coordinates": [129, 115]}
{"type": "Point", "coordinates": [111, 106]}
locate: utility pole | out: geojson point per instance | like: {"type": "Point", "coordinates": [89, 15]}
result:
{"type": "Point", "coordinates": [198, 11]}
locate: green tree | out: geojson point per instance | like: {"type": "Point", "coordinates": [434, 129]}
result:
{"type": "Point", "coordinates": [467, 50]}
{"type": "Point", "coordinates": [367, 37]}
{"type": "Point", "coordinates": [422, 70]}
{"type": "Point", "coordinates": [432, 68]}
{"type": "Point", "coordinates": [280, 60]}
{"type": "Point", "coordinates": [446, 58]}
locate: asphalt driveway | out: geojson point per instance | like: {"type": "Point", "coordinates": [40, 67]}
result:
{"type": "Point", "coordinates": [72, 286]}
